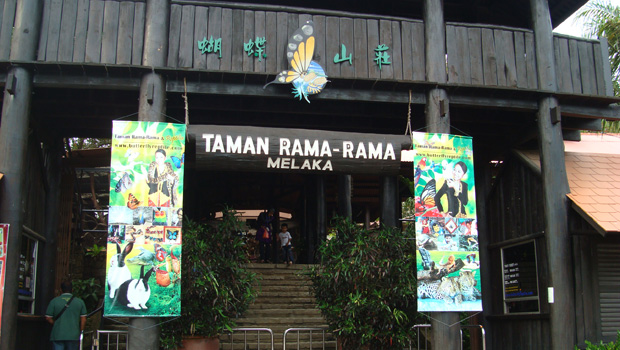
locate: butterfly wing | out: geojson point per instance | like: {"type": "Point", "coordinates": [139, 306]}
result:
{"type": "Point", "coordinates": [428, 194]}
{"type": "Point", "coordinates": [301, 48]}
{"type": "Point", "coordinates": [299, 52]}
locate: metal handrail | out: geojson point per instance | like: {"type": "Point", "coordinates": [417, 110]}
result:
{"type": "Point", "coordinates": [298, 330]}
{"type": "Point", "coordinates": [418, 335]}
{"type": "Point", "coordinates": [484, 342]}
{"type": "Point", "coordinates": [245, 338]}
{"type": "Point", "coordinates": [97, 340]}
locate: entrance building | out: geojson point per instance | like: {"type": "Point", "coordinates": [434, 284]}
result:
{"type": "Point", "coordinates": [492, 70]}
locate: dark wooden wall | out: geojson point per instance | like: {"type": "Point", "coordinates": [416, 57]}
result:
{"type": "Point", "coordinates": [112, 33]}
{"type": "Point", "coordinates": [491, 56]}
{"type": "Point", "coordinates": [515, 215]}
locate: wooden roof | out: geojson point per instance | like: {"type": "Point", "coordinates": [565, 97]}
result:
{"type": "Point", "coordinates": [500, 12]}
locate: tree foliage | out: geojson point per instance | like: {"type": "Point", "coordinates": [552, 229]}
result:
{"type": "Point", "coordinates": [602, 19]}
{"type": "Point", "coordinates": [365, 286]}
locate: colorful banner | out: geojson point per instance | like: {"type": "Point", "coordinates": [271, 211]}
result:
{"type": "Point", "coordinates": [444, 209]}
{"type": "Point", "coordinates": [4, 236]}
{"type": "Point", "coordinates": [145, 220]}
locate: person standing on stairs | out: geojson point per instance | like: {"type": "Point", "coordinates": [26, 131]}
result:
{"type": "Point", "coordinates": [265, 226]}
{"type": "Point", "coordinates": [285, 241]}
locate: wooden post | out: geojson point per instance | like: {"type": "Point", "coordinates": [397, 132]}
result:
{"type": "Point", "coordinates": [344, 196]}
{"type": "Point", "coordinates": [308, 219]}
{"type": "Point", "coordinates": [435, 41]}
{"type": "Point", "coordinates": [543, 38]}
{"type": "Point", "coordinates": [144, 332]}
{"type": "Point", "coordinates": [13, 146]}
{"type": "Point", "coordinates": [321, 220]}
{"type": "Point", "coordinates": [445, 336]}
{"type": "Point", "coordinates": [389, 201]}
{"type": "Point", "coordinates": [13, 150]}
{"type": "Point", "coordinates": [52, 201]}
{"type": "Point", "coordinates": [483, 181]}
{"type": "Point", "coordinates": [555, 186]}
{"type": "Point", "coordinates": [316, 219]}
{"type": "Point", "coordinates": [445, 327]}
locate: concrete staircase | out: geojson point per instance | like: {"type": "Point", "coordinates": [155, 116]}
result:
{"type": "Point", "coordinates": [284, 301]}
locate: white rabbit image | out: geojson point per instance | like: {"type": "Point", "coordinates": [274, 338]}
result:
{"type": "Point", "coordinates": [118, 272]}
{"type": "Point", "coordinates": [136, 292]}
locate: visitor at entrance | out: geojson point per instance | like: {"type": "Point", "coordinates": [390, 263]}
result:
{"type": "Point", "coordinates": [265, 226]}
{"type": "Point", "coordinates": [285, 241]}
{"type": "Point", "coordinates": [162, 182]}
{"type": "Point", "coordinates": [67, 314]}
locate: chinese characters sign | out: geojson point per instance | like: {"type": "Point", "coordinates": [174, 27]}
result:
{"type": "Point", "coordinates": [256, 48]}
{"type": "Point", "coordinates": [444, 209]}
{"type": "Point", "coordinates": [145, 220]}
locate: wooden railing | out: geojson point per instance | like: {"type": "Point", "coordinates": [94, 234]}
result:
{"type": "Point", "coordinates": [112, 33]}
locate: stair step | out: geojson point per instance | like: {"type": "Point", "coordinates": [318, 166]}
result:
{"type": "Point", "coordinates": [331, 345]}
{"type": "Point", "coordinates": [289, 312]}
{"type": "Point", "coordinates": [295, 320]}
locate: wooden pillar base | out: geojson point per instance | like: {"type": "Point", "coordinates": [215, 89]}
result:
{"type": "Point", "coordinates": [446, 329]}
{"type": "Point", "coordinates": [143, 333]}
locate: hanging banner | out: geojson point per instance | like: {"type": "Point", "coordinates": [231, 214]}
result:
{"type": "Point", "coordinates": [444, 209]}
{"type": "Point", "coordinates": [145, 220]}
{"type": "Point", "coordinates": [4, 236]}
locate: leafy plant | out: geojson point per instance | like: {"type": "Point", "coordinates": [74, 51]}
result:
{"type": "Point", "coordinates": [602, 346]}
{"type": "Point", "coordinates": [95, 250]}
{"type": "Point", "coordinates": [365, 286]}
{"type": "Point", "coordinates": [216, 287]}
{"type": "Point", "coordinates": [88, 290]}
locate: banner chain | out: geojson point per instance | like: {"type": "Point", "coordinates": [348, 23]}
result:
{"type": "Point", "coordinates": [450, 325]}
{"type": "Point", "coordinates": [142, 329]}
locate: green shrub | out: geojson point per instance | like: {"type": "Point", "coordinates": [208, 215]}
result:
{"type": "Point", "coordinates": [87, 290]}
{"type": "Point", "coordinates": [365, 286]}
{"type": "Point", "coordinates": [601, 346]}
{"type": "Point", "coordinates": [216, 287]}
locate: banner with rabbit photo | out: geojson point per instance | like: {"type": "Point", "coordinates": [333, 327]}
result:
{"type": "Point", "coordinates": [444, 209]}
{"type": "Point", "coordinates": [143, 273]}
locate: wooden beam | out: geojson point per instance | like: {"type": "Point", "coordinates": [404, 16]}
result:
{"type": "Point", "coordinates": [571, 135]}
{"type": "Point", "coordinates": [604, 112]}
{"type": "Point", "coordinates": [581, 124]}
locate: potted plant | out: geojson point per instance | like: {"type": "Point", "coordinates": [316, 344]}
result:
{"type": "Point", "coordinates": [216, 287]}
{"type": "Point", "coordinates": [365, 286]}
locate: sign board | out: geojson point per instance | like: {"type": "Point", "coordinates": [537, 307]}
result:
{"type": "Point", "coordinates": [520, 271]}
{"type": "Point", "coordinates": [246, 148]}
{"type": "Point", "coordinates": [520, 278]}
{"type": "Point", "coordinates": [145, 220]}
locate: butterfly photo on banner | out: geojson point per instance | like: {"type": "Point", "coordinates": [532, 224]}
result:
{"type": "Point", "coordinates": [307, 76]}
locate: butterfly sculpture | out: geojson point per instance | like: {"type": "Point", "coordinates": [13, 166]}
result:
{"type": "Point", "coordinates": [307, 76]}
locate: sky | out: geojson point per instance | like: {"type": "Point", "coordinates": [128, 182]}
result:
{"type": "Point", "coordinates": [575, 28]}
